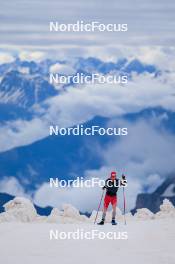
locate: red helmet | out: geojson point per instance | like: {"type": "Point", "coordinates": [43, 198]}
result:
{"type": "Point", "coordinates": [113, 173]}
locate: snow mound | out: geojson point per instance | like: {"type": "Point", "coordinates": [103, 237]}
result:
{"type": "Point", "coordinates": [41, 218]}
{"type": "Point", "coordinates": [166, 210]}
{"type": "Point", "coordinates": [72, 215]}
{"type": "Point", "coordinates": [22, 210]}
{"type": "Point", "coordinates": [144, 214]}
{"type": "Point", "coordinates": [19, 209]}
{"type": "Point", "coordinates": [55, 216]}
{"type": "Point", "coordinates": [167, 206]}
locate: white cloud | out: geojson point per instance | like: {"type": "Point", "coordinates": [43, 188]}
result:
{"type": "Point", "coordinates": [20, 133]}
{"type": "Point", "coordinates": [111, 100]}
{"type": "Point", "coordinates": [149, 22]}
{"type": "Point", "coordinates": [146, 156]}
{"type": "Point", "coordinates": [32, 55]}
{"type": "Point", "coordinates": [152, 180]}
{"type": "Point", "coordinates": [141, 156]}
{"type": "Point", "coordinates": [143, 150]}
{"type": "Point", "coordinates": [11, 186]}
{"type": "Point", "coordinates": [162, 57]}
{"type": "Point", "coordinates": [85, 199]}
{"type": "Point", "coordinates": [6, 58]}
{"type": "Point", "coordinates": [24, 70]}
{"type": "Point", "coordinates": [79, 104]}
{"type": "Point", "coordinates": [62, 69]}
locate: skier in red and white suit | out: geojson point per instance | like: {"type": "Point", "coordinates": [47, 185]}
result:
{"type": "Point", "coordinates": [111, 185]}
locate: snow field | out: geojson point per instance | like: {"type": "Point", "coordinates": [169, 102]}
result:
{"type": "Point", "coordinates": [25, 236]}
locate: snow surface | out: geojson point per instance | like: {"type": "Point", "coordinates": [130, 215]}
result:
{"type": "Point", "coordinates": [149, 242]}
{"type": "Point", "coordinates": [25, 236]}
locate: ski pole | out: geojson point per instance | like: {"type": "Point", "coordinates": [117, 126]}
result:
{"type": "Point", "coordinates": [124, 205]}
{"type": "Point", "coordinates": [99, 207]}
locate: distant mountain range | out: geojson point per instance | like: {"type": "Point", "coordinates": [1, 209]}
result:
{"type": "Point", "coordinates": [152, 201]}
{"type": "Point", "coordinates": [54, 156]}
{"type": "Point", "coordinates": [22, 90]}
{"type": "Point", "coordinates": [19, 92]}
{"type": "Point", "coordinates": [24, 85]}
{"type": "Point", "coordinates": [65, 156]}
{"type": "Point", "coordinates": [90, 65]}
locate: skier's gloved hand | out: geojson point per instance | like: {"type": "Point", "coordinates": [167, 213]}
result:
{"type": "Point", "coordinates": [123, 181]}
{"type": "Point", "coordinates": [123, 177]}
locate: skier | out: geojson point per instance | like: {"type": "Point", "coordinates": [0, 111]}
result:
{"type": "Point", "coordinates": [111, 185]}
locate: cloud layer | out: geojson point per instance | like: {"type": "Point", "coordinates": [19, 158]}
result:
{"type": "Point", "coordinates": [141, 157]}
{"type": "Point", "coordinates": [143, 153]}
{"type": "Point", "coordinates": [143, 91]}
{"type": "Point", "coordinates": [150, 23]}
